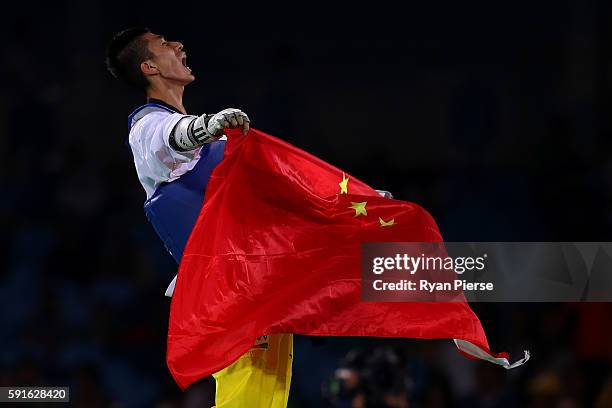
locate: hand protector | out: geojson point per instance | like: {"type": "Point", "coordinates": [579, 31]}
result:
{"type": "Point", "coordinates": [384, 194]}
{"type": "Point", "coordinates": [227, 119]}
{"type": "Point", "coordinates": [192, 132]}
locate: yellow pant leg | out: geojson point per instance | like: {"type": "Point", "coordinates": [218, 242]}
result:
{"type": "Point", "coordinates": [259, 379]}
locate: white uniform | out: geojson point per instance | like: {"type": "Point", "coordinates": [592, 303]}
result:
{"type": "Point", "coordinates": [156, 162]}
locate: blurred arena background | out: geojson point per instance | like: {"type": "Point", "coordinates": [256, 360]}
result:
{"type": "Point", "coordinates": [495, 116]}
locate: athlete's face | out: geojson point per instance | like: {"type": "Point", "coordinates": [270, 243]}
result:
{"type": "Point", "coordinates": [169, 61]}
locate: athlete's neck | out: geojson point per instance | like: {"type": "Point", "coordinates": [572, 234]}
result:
{"type": "Point", "coordinates": [169, 93]}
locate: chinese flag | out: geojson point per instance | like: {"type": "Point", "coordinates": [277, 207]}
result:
{"type": "Point", "coordinates": [276, 249]}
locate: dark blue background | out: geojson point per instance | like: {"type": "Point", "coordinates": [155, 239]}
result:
{"type": "Point", "coordinates": [495, 116]}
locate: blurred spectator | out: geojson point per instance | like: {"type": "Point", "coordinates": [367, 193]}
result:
{"type": "Point", "coordinates": [374, 378]}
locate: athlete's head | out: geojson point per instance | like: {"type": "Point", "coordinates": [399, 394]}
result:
{"type": "Point", "coordinates": [141, 58]}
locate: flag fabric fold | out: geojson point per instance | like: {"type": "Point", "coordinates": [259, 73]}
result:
{"type": "Point", "coordinates": [276, 249]}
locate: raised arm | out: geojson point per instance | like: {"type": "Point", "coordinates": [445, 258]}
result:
{"type": "Point", "coordinates": [192, 132]}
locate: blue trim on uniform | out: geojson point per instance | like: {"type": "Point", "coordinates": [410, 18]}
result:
{"type": "Point", "coordinates": [147, 105]}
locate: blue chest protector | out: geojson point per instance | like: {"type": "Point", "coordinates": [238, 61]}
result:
{"type": "Point", "coordinates": [174, 207]}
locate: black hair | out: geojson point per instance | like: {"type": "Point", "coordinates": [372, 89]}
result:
{"type": "Point", "coordinates": [125, 52]}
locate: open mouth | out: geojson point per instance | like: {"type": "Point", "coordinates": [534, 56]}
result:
{"type": "Point", "coordinates": [184, 61]}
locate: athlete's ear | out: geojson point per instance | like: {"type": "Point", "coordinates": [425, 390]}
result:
{"type": "Point", "coordinates": [148, 67]}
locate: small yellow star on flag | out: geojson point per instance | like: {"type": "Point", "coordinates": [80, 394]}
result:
{"type": "Point", "coordinates": [360, 208]}
{"type": "Point", "coordinates": [384, 223]}
{"type": "Point", "coordinates": [344, 184]}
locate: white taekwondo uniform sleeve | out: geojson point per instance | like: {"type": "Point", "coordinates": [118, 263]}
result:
{"type": "Point", "coordinates": [156, 162]}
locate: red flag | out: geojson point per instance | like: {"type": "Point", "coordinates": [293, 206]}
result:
{"type": "Point", "coordinates": [276, 249]}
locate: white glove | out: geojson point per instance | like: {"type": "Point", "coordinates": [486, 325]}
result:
{"type": "Point", "coordinates": [191, 132]}
{"type": "Point", "coordinates": [384, 194]}
{"type": "Point", "coordinates": [228, 119]}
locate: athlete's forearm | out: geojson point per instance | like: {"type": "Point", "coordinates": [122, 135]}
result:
{"type": "Point", "coordinates": [192, 132]}
{"type": "Point", "coordinates": [189, 133]}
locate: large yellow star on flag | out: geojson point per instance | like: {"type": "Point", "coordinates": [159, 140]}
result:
{"type": "Point", "coordinates": [360, 208]}
{"type": "Point", "coordinates": [344, 184]}
{"type": "Point", "coordinates": [384, 223]}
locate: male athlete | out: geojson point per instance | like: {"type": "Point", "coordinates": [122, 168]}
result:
{"type": "Point", "coordinates": [174, 154]}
